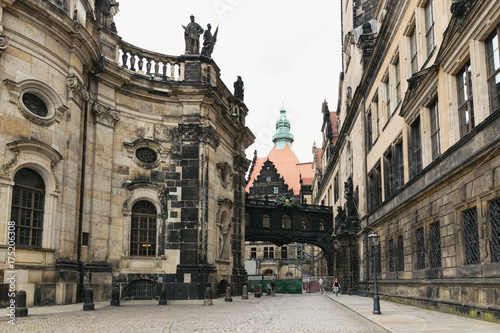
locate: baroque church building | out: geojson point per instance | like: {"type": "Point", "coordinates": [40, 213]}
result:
{"type": "Point", "coordinates": [119, 166]}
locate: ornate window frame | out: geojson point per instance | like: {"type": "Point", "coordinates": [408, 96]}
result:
{"type": "Point", "coordinates": [162, 152]}
{"type": "Point", "coordinates": [44, 160]}
{"type": "Point", "coordinates": [54, 103]}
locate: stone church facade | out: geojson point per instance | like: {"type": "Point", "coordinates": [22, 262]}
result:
{"type": "Point", "coordinates": [119, 166]}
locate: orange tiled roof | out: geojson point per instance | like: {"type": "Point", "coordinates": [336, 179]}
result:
{"type": "Point", "coordinates": [288, 166]}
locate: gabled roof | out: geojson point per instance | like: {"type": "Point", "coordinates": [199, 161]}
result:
{"type": "Point", "coordinates": [288, 167]}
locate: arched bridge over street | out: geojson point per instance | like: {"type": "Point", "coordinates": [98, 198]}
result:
{"type": "Point", "coordinates": [283, 222]}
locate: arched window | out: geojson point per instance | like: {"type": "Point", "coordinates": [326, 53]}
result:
{"type": "Point", "coordinates": [266, 221]}
{"type": "Point", "coordinates": [286, 222]}
{"type": "Point", "coordinates": [305, 223]}
{"type": "Point", "coordinates": [27, 207]}
{"type": "Point", "coordinates": [322, 225]}
{"type": "Point", "coordinates": [143, 231]}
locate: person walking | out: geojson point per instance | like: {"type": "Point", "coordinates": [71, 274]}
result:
{"type": "Point", "coordinates": [321, 288]}
{"type": "Point", "coordinates": [336, 287]}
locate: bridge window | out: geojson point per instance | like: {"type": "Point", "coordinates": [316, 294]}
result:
{"type": "Point", "coordinates": [284, 252]}
{"type": "Point", "coordinates": [269, 252]}
{"type": "Point", "coordinates": [266, 221]}
{"type": "Point", "coordinates": [286, 222]}
{"type": "Point", "coordinates": [248, 220]}
{"type": "Point", "coordinates": [305, 223]}
{"type": "Point", "coordinates": [253, 253]}
{"type": "Point", "coordinates": [322, 225]}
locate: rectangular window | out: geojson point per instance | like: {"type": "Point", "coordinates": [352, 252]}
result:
{"type": "Point", "coordinates": [419, 234]}
{"type": "Point", "coordinates": [416, 148]}
{"type": "Point", "coordinates": [435, 245]}
{"type": "Point", "coordinates": [377, 117]}
{"type": "Point", "coordinates": [276, 190]}
{"type": "Point", "coordinates": [495, 230]}
{"type": "Point", "coordinates": [435, 130]}
{"type": "Point", "coordinates": [397, 68]}
{"type": "Point", "coordinates": [388, 174]}
{"type": "Point", "coordinates": [429, 27]}
{"type": "Point", "coordinates": [284, 252]}
{"type": "Point", "coordinates": [392, 256]}
{"type": "Point", "coordinates": [493, 58]}
{"type": "Point", "coordinates": [400, 254]}
{"type": "Point", "coordinates": [336, 189]}
{"type": "Point", "coordinates": [399, 165]}
{"type": "Point", "coordinates": [465, 101]}
{"type": "Point", "coordinates": [388, 97]}
{"type": "Point", "coordinates": [253, 253]}
{"type": "Point", "coordinates": [413, 51]}
{"type": "Point", "coordinates": [369, 130]}
{"type": "Point", "coordinates": [269, 252]}
{"type": "Point", "coordinates": [374, 183]}
{"type": "Point", "coordinates": [471, 236]}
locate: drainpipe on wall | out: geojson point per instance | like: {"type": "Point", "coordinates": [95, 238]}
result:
{"type": "Point", "coordinates": [81, 263]}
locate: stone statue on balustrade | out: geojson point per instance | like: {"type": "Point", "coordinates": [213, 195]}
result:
{"type": "Point", "coordinates": [192, 36]}
{"type": "Point", "coordinates": [104, 12]}
{"type": "Point", "coordinates": [209, 41]}
{"type": "Point", "coordinates": [239, 89]}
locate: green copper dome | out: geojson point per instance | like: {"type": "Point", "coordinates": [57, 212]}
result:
{"type": "Point", "coordinates": [283, 135]}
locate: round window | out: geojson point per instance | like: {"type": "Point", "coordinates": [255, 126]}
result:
{"type": "Point", "coordinates": [146, 155]}
{"type": "Point", "coordinates": [35, 104]}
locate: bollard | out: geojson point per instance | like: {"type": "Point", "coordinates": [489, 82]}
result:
{"type": "Point", "coordinates": [21, 310]}
{"type": "Point", "coordinates": [258, 290]}
{"type": "Point", "coordinates": [208, 297]}
{"type": "Point", "coordinates": [163, 296]}
{"type": "Point", "coordinates": [245, 292]}
{"type": "Point", "coordinates": [89, 300]}
{"type": "Point", "coordinates": [115, 296]}
{"type": "Point", "coordinates": [228, 294]}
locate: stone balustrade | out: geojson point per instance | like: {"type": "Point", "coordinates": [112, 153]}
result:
{"type": "Point", "coordinates": [148, 63]}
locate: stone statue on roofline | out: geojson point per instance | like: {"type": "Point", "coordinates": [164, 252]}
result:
{"type": "Point", "coordinates": [192, 34]}
{"type": "Point", "coordinates": [238, 89]}
{"type": "Point", "coordinates": [209, 41]}
{"type": "Point", "coordinates": [104, 12]}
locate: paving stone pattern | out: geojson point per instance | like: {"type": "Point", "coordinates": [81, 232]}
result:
{"type": "Point", "coordinates": [283, 313]}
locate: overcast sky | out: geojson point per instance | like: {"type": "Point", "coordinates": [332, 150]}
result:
{"type": "Point", "coordinates": [287, 53]}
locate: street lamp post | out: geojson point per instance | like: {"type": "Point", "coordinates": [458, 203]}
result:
{"type": "Point", "coordinates": [374, 241]}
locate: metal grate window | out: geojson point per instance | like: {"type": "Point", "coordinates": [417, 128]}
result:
{"type": "Point", "coordinates": [435, 245]}
{"type": "Point", "coordinates": [142, 289]}
{"type": "Point", "coordinates": [495, 230]}
{"type": "Point", "coordinates": [419, 233]}
{"type": "Point", "coordinates": [400, 255]}
{"type": "Point", "coordinates": [471, 236]}
{"type": "Point", "coordinates": [392, 258]}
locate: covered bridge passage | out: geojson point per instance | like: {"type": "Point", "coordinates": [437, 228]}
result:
{"type": "Point", "coordinates": [283, 222]}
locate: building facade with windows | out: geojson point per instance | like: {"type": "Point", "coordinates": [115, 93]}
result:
{"type": "Point", "coordinates": [427, 99]}
{"type": "Point", "coordinates": [119, 166]}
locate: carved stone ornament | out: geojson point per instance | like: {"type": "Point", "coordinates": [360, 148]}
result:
{"type": "Point", "coordinates": [104, 115]}
{"type": "Point", "coordinates": [76, 91]}
{"type": "Point", "coordinates": [39, 90]}
{"type": "Point", "coordinates": [4, 43]}
{"type": "Point", "coordinates": [9, 165]}
{"type": "Point", "coordinates": [460, 8]}
{"type": "Point", "coordinates": [225, 173]}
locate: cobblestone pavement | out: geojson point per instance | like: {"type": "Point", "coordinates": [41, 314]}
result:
{"type": "Point", "coordinates": [283, 313]}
